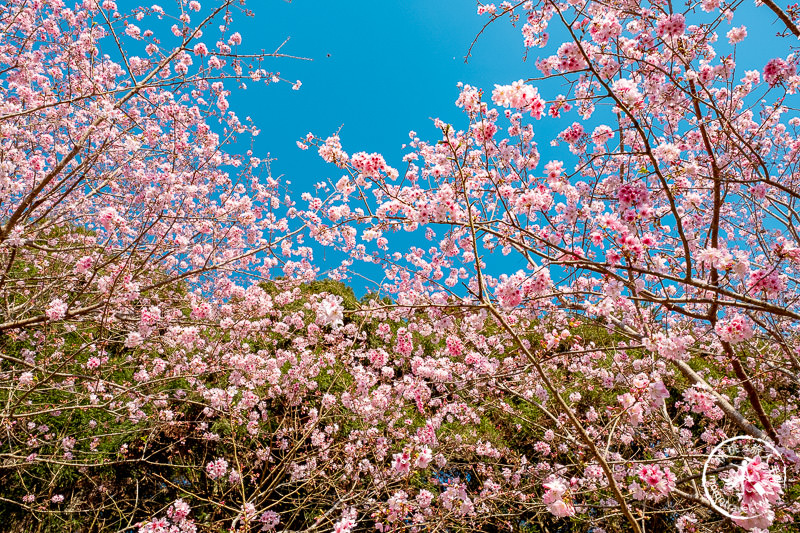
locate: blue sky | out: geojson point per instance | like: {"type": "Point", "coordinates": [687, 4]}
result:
{"type": "Point", "coordinates": [392, 67]}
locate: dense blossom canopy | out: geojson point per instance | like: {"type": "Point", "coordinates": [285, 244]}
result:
{"type": "Point", "coordinates": [581, 320]}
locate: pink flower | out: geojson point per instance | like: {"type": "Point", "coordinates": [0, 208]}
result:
{"type": "Point", "coordinates": [570, 58]}
{"type": "Point", "coordinates": [604, 27]}
{"type": "Point", "coordinates": [509, 291]}
{"type": "Point", "coordinates": [759, 489]}
{"type": "Point", "coordinates": [702, 402]}
{"type": "Point", "coordinates": [424, 458]}
{"type": "Point", "coordinates": [26, 379]}
{"type": "Point", "coordinates": [520, 96]}
{"type": "Point", "coordinates": [737, 35]}
{"type": "Point", "coordinates": [331, 151]}
{"type": "Point", "coordinates": [789, 433]}
{"type": "Point", "coordinates": [56, 310]}
{"type": "Point", "coordinates": [133, 340]}
{"type": "Point", "coordinates": [658, 483]}
{"type": "Point", "coordinates": [601, 135]}
{"type": "Point", "coordinates": [633, 195]}
{"type": "Point", "coordinates": [456, 499]}
{"type": "Point", "coordinates": [632, 408]}
{"type": "Point", "coordinates": [718, 258]}
{"type": "Point", "coordinates": [404, 344]}
{"type": "Point", "coordinates": [133, 31]}
{"type": "Point", "coordinates": [402, 463]}
{"type": "Point", "coordinates": [330, 311]}
{"type": "Point", "coordinates": [628, 92]}
{"type": "Point", "coordinates": [757, 483]}
{"type": "Point", "coordinates": [767, 280]}
{"type": "Point", "coordinates": [424, 498]}
{"type": "Point", "coordinates": [179, 510]}
{"type": "Point", "coordinates": [454, 345]}
{"type": "Point", "coordinates": [561, 509]}
{"type": "Point", "coordinates": [658, 392]}
{"type": "Point", "coordinates": [83, 264]}
{"type": "Point", "coordinates": [686, 523]}
{"type": "Point", "coordinates": [778, 70]}
{"type": "Point", "coordinates": [734, 329]}
{"type": "Point", "coordinates": [368, 164]}
{"type": "Point", "coordinates": [108, 217]}
{"type": "Point", "coordinates": [673, 347]}
{"type": "Point", "coordinates": [269, 520]}
{"type": "Point", "coordinates": [344, 525]}
{"type": "Point", "coordinates": [667, 152]}
{"type": "Point", "coordinates": [150, 315]}
{"type": "Point", "coordinates": [554, 169]}
{"type": "Point", "coordinates": [553, 498]}
{"type": "Point", "coordinates": [671, 26]}
{"type": "Point", "coordinates": [484, 131]}
{"type": "Point", "coordinates": [573, 134]}
{"type": "Point", "coordinates": [470, 99]}
{"type": "Point", "coordinates": [202, 310]}
{"type": "Point", "coordinates": [217, 468]}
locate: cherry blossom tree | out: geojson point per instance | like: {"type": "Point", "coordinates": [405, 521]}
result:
{"type": "Point", "coordinates": [129, 204]}
{"type": "Point", "coordinates": [168, 362]}
{"type": "Point", "coordinates": [625, 289]}
{"type": "Point", "coordinates": [590, 318]}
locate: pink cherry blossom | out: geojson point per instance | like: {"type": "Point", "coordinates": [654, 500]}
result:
{"type": "Point", "coordinates": [671, 26]}
{"type": "Point", "coordinates": [330, 311]}
{"type": "Point", "coordinates": [736, 35]}
{"type": "Point", "coordinates": [217, 468]}
{"type": "Point", "coordinates": [550, 307]}
{"type": "Point", "coordinates": [56, 310]}
{"type": "Point", "coordinates": [735, 329]}
{"type": "Point", "coordinates": [777, 70]}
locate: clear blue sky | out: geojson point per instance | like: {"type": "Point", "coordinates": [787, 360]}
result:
{"type": "Point", "coordinates": [393, 65]}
